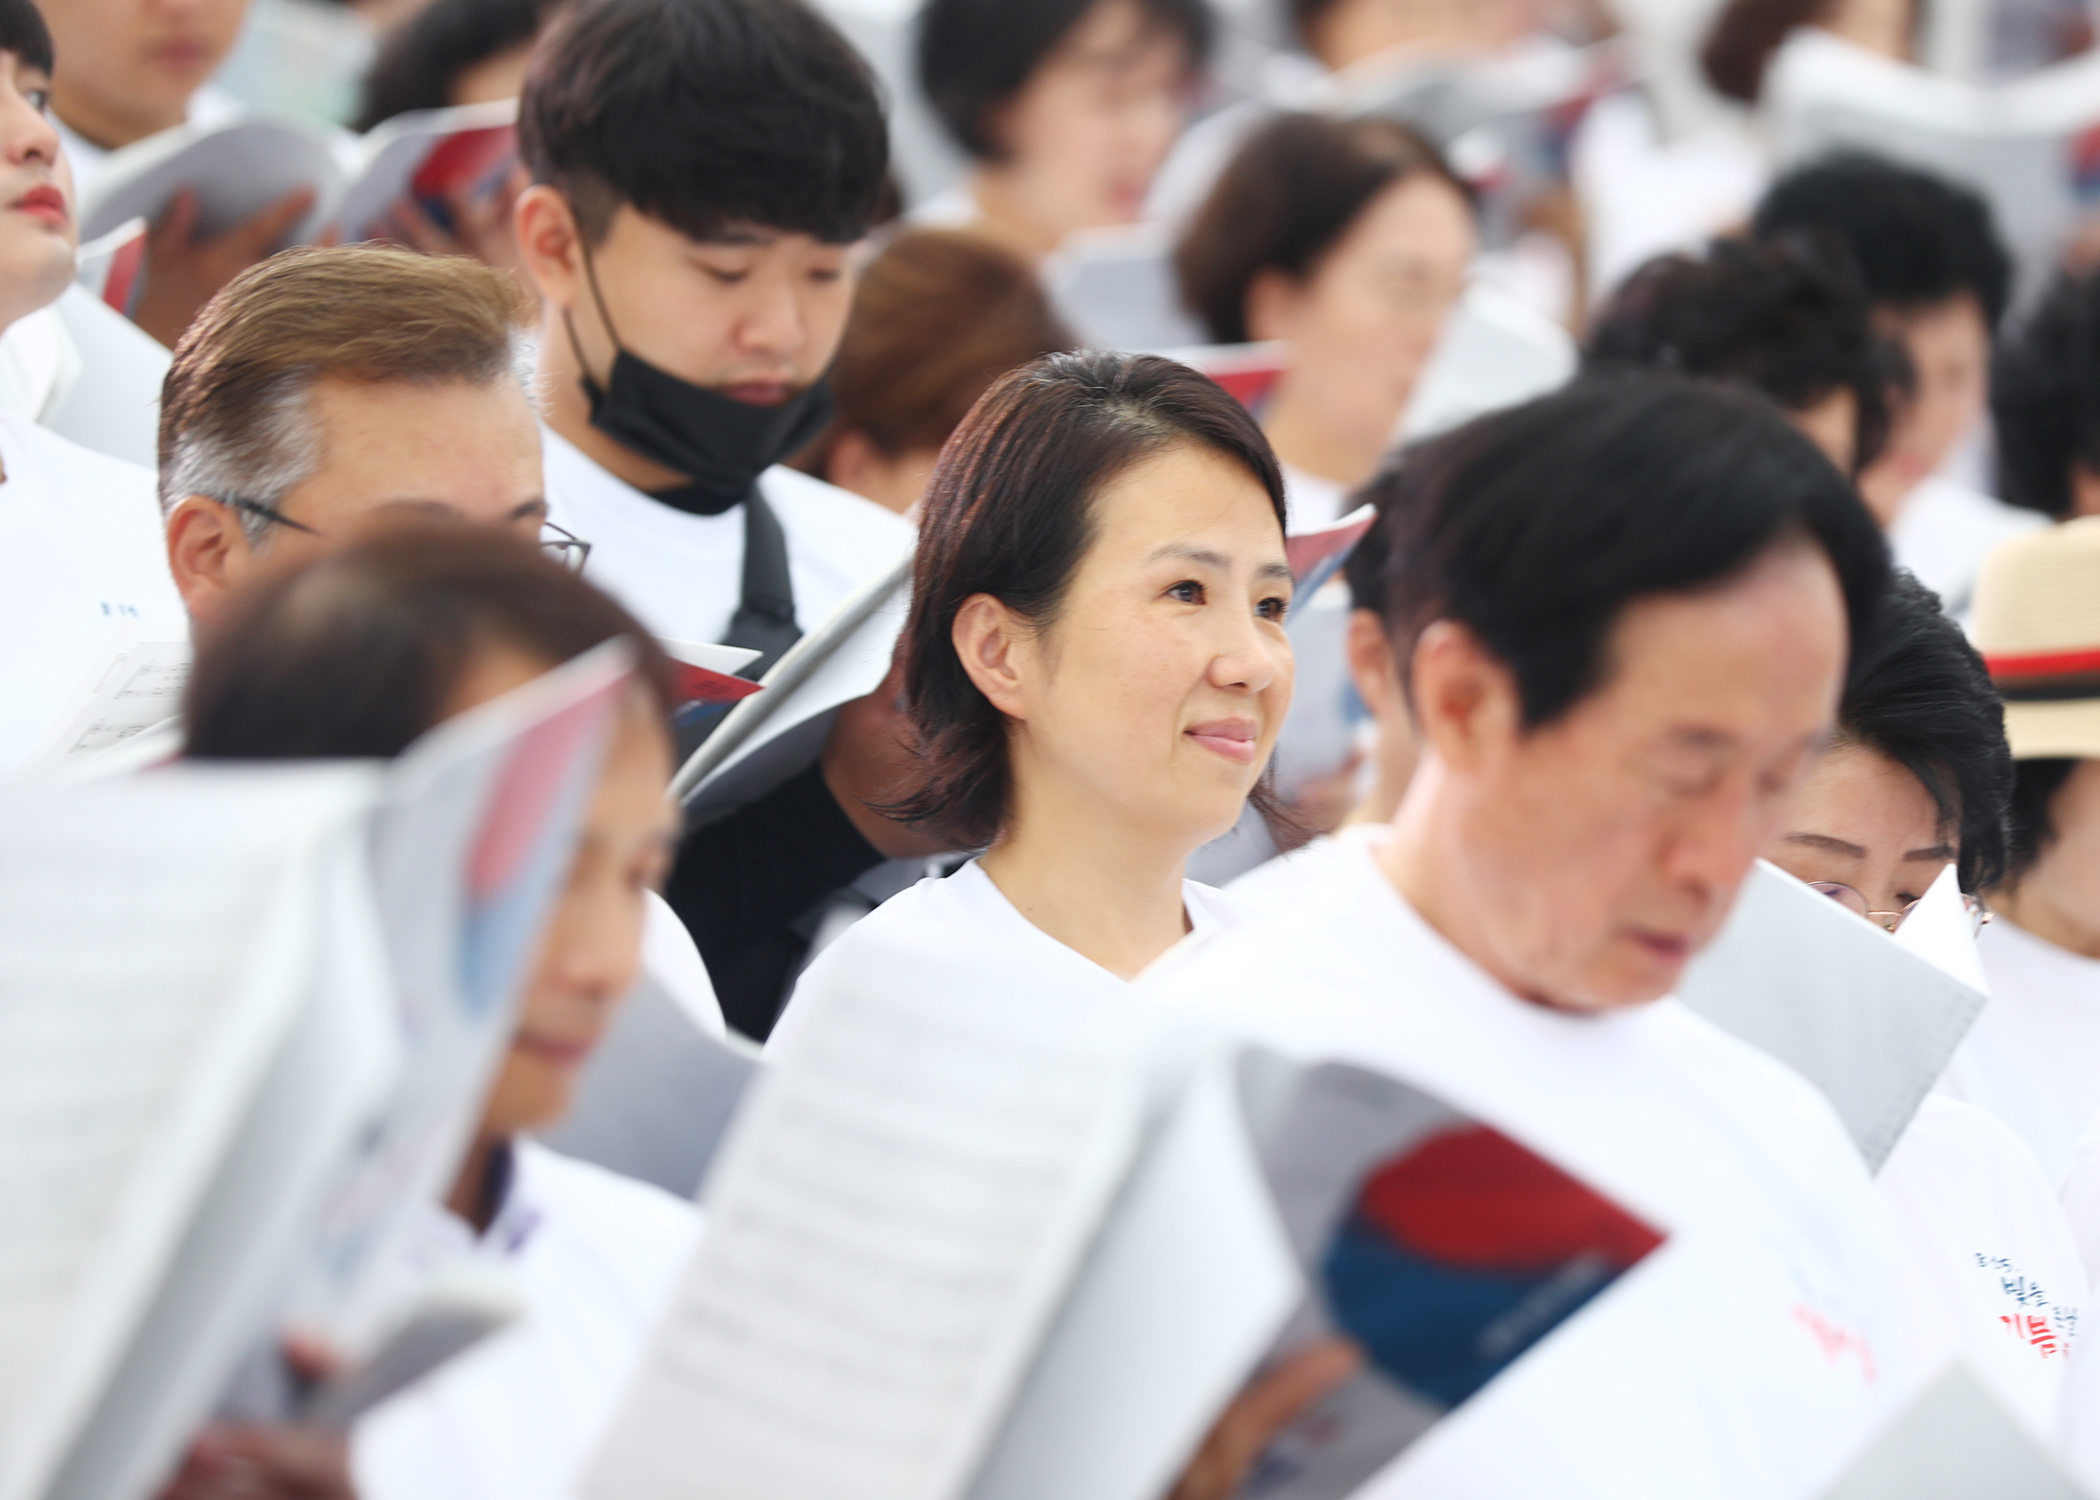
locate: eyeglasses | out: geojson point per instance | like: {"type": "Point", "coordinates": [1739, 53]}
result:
{"type": "Point", "coordinates": [564, 546]}
{"type": "Point", "coordinates": [1889, 921]}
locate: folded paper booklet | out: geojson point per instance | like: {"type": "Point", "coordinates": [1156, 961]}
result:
{"type": "Point", "coordinates": [770, 736]}
{"type": "Point", "coordinates": [2031, 146]}
{"type": "Point", "coordinates": [240, 168]}
{"type": "Point", "coordinates": [1869, 1018]}
{"type": "Point", "coordinates": [1027, 1246]}
{"type": "Point", "coordinates": [250, 1013]}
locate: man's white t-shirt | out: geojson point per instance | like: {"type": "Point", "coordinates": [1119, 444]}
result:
{"type": "Point", "coordinates": [1945, 530]}
{"type": "Point", "coordinates": [1995, 1246]}
{"type": "Point", "coordinates": [83, 570]}
{"type": "Point", "coordinates": [518, 1416]}
{"type": "Point", "coordinates": [962, 930]}
{"type": "Point", "coordinates": [682, 574]}
{"type": "Point", "coordinates": [2033, 1056]}
{"type": "Point", "coordinates": [1756, 1353]}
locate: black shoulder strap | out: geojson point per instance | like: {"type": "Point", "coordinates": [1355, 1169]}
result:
{"type": "Point", "coordinates": [765, 614]}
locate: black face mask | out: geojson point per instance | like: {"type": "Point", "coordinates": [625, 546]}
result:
{"type": "Point", "coordinates": [720, 445]}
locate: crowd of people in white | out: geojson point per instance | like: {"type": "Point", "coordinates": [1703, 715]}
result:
{"type": "Point", "coordinates": [1399, 533]}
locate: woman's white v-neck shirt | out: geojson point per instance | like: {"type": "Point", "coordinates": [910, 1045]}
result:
{"type": "Point", "coordinates": [963, 931]}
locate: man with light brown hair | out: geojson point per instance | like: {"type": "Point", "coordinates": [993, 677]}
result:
{"type": "Point", "coordinates": [325, 384]}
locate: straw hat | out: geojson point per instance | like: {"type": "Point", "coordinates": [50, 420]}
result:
{"type": "Point", "coordinates": [2037, 623]}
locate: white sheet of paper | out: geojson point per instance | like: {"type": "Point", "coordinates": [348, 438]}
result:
{"type": "Point", "coordinates": [156, 940]}
{"type": "Point", "coordinates": [1938, 930]}
{"type": "Point", "coordinates": [1836, 999]}
{"type": "Point", "coordinates": [225, 1285]}
{"type": "Point", "coordinates": [893, 1220]}
{"type": "Point", "coordinates": [138, 686]}
{"type": "Point", "coordinates": [1187, 1286]}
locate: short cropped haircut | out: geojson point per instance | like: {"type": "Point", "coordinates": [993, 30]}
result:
{"type": "Point", "coordinates": [2045, 397]}
{"type": "Point", "coordinates": [707, 115]}
{"type": "Point", "coordinates": [420, 60]}
{"type": "Point", "coordinates": [1916, 239]}
{"type": "Point", "coordinates": [1777, 316]}
{"type": "Point", "coordinates": [359, 652]}
{"type": "Point", "coordinates": [975, 55]}
{"type": "Point", "coordinates": [235, 413]}
{"type": "Point", "coordinates": [1010, 514]}
{"type": "Point", "coordinates": [937, 317]}
{"type": "Point", "coordinates": [1536, 526]}
{"type": "Point", "coordinates": [23, 32]}
{"type": "Point", "coordinates": [1921, 696]}
{"type": "Point", "coordinates": [1287, 198]}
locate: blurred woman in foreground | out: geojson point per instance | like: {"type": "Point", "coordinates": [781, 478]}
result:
{"type": "Point", "coordinates": [359, 655]}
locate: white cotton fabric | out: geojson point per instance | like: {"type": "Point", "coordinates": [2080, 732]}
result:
{"type": "Point", "coordinates": [962, 930]}
{"type": "Point", "coordinates": [520, 1415]}
{"type": "Point", "coordinates": [2030, 1059]}
{"type": "Point", "coordinates": [1995, 1246]}
{"type": "Point", "coordinates": [83, 566]}
{"type": "Point", "coordinates": [683, 574]}
{"type": "Point", "coordinates": [670, 957]}
{"type": "Point", "coordinates": [1754, 1354]}
{"type": "Point", "coordinates": [1945, 530]}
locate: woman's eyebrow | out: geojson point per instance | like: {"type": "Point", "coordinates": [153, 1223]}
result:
{"type": "Point", "coordinates": [1825, 842]}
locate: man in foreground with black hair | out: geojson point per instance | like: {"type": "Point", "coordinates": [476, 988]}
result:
{"type": "Point", "coordinates": [1939, 278]}
{"type": "Point", "coordinates": [701, 171]}
{"type": "Point", "coordinates": [1621, 615]}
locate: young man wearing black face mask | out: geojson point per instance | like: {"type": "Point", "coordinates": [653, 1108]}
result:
{"type": "Point", "coordinates": [701, 170]}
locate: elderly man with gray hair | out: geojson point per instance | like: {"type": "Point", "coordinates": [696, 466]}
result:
{"type": "Point", "coordinates": [324, 385]}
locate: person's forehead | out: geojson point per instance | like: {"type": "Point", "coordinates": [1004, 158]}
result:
{"type": "Point", "coordinates": [1711, 659]}
{"type": "Point", "coordinates": [445, 443]}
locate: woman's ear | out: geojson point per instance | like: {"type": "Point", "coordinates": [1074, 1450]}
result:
{"type": "Point", "coordinates": [1465, 699]}
{"type": "Point", "coordinates": [992, 642]}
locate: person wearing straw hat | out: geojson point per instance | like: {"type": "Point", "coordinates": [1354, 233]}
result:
{"type": "Point", "coordinates": [2034, 1055]}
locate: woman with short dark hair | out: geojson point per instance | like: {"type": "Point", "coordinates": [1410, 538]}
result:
{"type": "Point", "coordinates": [1096, 668]}
{"type": "Point", "coordinates": [358, 654]}
{"type": "Point", "coordinates": [1066, 108]}
{"type": "Point", "coordinates": [1347, 240]}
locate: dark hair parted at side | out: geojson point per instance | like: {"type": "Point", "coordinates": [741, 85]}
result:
{"type": "Point", "coordinates": [2045, 398]}
{"type": "Point", "coordinates": [1010, 514]}
{"type": "Point", "coordinates": [419, 61]}
{"type": "Point", "coordinates": [975, 55]}
{"type": "Point", "coordinates": [1535, 526]}
{"type": "Point", "coordinates": [1777, 316]}
{"type": "Point", "coordinates": [358, 653]}
{"type": "Point", "coordinates": [1921, 696]}
{"type": "Point", "coordinates": [707, 115]}
{"type": "Point", "coordinates": [1916, 239]}
{"type": "Point", "coordinates": [1286, 199]}
{"type": "Point", "coordinates": [23, 32]}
